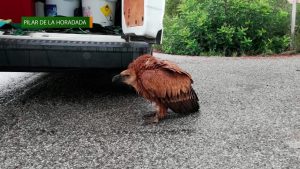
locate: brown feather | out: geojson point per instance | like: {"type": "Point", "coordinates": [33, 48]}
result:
{"type": "Point", "coordinates": [165, 83]}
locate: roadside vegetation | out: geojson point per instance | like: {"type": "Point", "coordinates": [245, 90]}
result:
{"type": "Point", "coordinates": [228, 27]}
{"type": "Point", "coordinates": [297, 41]}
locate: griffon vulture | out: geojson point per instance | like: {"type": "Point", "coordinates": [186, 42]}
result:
{"type": "Point", "coordinates": [163, 83]}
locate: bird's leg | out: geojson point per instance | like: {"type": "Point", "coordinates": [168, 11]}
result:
{"type": "Point", "coordinates": [161, 113]}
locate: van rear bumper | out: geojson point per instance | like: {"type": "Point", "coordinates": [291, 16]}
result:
{"type": "Point", "coordinates": [50, 52]}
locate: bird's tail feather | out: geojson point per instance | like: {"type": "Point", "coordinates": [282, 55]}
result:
{"type": "Point", "coordinates": [186, 106]}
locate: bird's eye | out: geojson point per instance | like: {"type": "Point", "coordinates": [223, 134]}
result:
{"type": "Point", "coordinates": [126, 76]}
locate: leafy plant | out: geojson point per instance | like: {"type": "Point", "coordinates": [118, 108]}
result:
{"type": "Point", "coordinates": [227, 27]}
{"type": "Point", "coordinates": [297, 40]}
{"type": "Point", "coordinates": [171, 7]}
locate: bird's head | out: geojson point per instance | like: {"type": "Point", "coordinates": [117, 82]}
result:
{"type": "Point", "coordinates": [127, 76]}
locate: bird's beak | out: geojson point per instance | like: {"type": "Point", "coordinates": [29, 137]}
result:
{"type": "Point", "coordinates": [117, 79]}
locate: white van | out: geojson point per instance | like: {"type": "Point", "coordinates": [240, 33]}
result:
{"type": "Point", "coordinates": [141, 22]}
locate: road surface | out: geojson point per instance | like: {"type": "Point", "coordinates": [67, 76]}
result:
{"type": "Point", "coordinates": [249, 118]}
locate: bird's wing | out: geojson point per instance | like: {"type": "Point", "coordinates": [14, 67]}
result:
{"type": "Point", "coordinates": [172, 88]}
{"type": "Point", "coordinates": [170, 66]}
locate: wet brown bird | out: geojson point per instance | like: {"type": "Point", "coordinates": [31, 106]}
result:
{"type": "Point", "coordinates": [163, 83]}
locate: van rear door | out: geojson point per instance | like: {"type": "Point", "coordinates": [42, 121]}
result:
{"type": "Point", "coordinates": [143, 19]}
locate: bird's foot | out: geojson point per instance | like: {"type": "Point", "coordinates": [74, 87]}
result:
{"type": "Point", "coordinates": [151, 120]}
{"type": "Point", "coordinates": [149, 115]}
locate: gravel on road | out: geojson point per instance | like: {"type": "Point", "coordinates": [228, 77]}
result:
{"type": "Point", "coordinates": [249, 118]}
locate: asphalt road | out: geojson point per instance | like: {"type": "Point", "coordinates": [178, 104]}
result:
{"type": "Point", "coordinates": [249, 118]}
